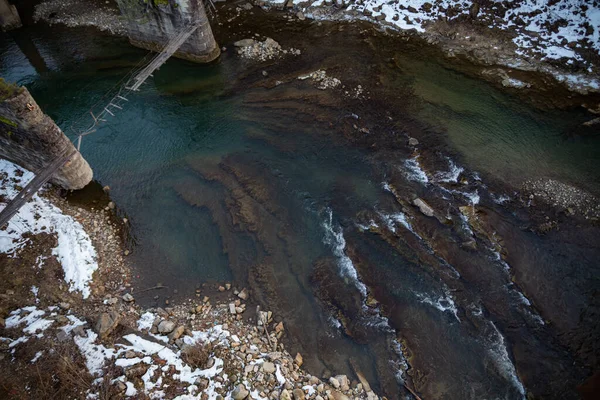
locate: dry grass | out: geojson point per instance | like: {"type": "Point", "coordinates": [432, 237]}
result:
{"type": "Point", "coordinates": [196, 356]}
{"type": "Point", "coordinates": [59, 374]}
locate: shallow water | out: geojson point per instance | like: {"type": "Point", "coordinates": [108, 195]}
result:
{"type": "Point", "coordinates": [226, 181]}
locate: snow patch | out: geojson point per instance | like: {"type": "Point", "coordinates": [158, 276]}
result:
{"type": "Point", "coordinates": [74, 250]}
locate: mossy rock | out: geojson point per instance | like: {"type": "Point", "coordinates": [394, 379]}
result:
{"type": "Point", "coordinates": [8, 90]}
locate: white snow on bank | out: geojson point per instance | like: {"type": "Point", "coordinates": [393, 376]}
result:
{"type": "Point", "coordinates": [550, 30]}
{"type": "Point", "coordinates": [74, 250]}
{"type": "Point", "coordinates": [149, 353]}
{"type": "Point", "coordinates": [145, 321]}
{"type": "Point", "coordinates": [31, 317]}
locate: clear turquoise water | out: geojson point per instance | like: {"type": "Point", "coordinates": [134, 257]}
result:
{"type": "Point", "coordinates": [155, 155]}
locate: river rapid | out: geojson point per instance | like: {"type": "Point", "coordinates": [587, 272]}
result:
{"type": "Point", "coordinates": [306, 197]}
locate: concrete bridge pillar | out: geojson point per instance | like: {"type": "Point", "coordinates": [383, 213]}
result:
{"type": "Point", "coordinates": [31, 139]}
{"type": "Point", "coordinates": [9, 17]}
{"type": "Point", "coordinates": [151, 23]}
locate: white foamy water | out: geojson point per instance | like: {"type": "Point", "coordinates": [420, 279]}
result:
{"type": "Point", "coordinates": [500, 199]}
{"type": "Point", "coordinates": [334, 237]}
{"type": "Point", "coordinates": [392, 220]}
{"type": "Point", "coordinates": [498, 257]}
{"type": "Point", "coordinates": [400, 366]}
{"type": "Point", "coordinates": [452, 174]}
{"type": "Point", "coordinates": [443, 303]}
{"type": "Point", "coordinates": [473, 197]}
{"type": "Point", "coordinates": [465, 224]}
{"type": "Point", "coordinates": [499, 353]}
{"type": "Point", "coordinates": [414, 172]}
{"type": "Point", "coordinates": [364, 227]}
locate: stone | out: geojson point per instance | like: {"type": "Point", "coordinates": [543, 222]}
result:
{"type": "Point", "coordinates": [166, 326]}
{"type": "Point", "coordinates": [136, 371]}
{"type": "Point", "coordinates": [111, 205]}
{"type": "Point", "coordinates": [285, 395]}
{"type": "Point", "coordinates": [243, 294]}
{"type": "Point", "coordinates": [106, 189]}
{"type": "Point", "coordinates": [424, 207]}
{"type": "Point", "coordinates": [232, 308]}
{"type": "Point", "coordinates": [268, 367]}
{"type": "Point", "coordinates": [344, 383]}
{"type": "Point", "coordinates": [265, 73]}
{"type": "Point", "coordinates": [221, 289]}
{"type": "Point", "coordinates": [79, 331]}
{"type": "Point", "coordinates": [247, 6]}
{"type": "Point", "coordinates": [271, 43]}
{"type": "Point", "coordinates": [177, 332]}
{"type": "Point", "coordinates": [244, 43]}
{"type": "Point", "coordinates": [120, 387]}
{"type": "Point", "coordinates": [300, 16]}
{"type": "Point", "coordinates": [107, 323]}
{"type": "Point", "coordinates": [334, 382]}
{"type": "Point", "coordinates": [413, 142]}
{"type": "Point", "coordinates": [130, 354]}
{"type": "Point", "coordinates": [298, 394]}
{"type": "Point", "coordinates": [240, 392]}
{"type": "Point", "coordinates": [227, 286]}
{"type": "Point", "coordinates": [128, 297]}
{"type": "Point", "coordinates": [298, 359]}
{"type": "Point", "coordinates": [279, 328]}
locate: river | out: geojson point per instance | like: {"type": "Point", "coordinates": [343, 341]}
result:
{"type": "Point", "coordinates": [305, 197]}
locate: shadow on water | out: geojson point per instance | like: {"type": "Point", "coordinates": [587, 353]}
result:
{"type": "Point", "coordinates": [225, 175]}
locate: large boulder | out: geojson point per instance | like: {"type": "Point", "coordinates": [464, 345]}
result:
{"type": "Point", "coordinates": [107, 323]}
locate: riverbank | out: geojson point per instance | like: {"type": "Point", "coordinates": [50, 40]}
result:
{"type": "Point", "coordinates": [506, 39]}
{"type": "Point", "coordinates": [70, 324]}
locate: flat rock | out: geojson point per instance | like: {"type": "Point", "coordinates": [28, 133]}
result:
{"type": "Point", "coordinates": [424, 207]}
{"type": "Point", "coordinates": [244, 43]}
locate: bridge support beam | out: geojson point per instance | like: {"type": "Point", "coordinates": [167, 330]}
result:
{"type": "Point", "coordinates": [31, 139]}
{"type": "Point", "coordinates": [152, 23]}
